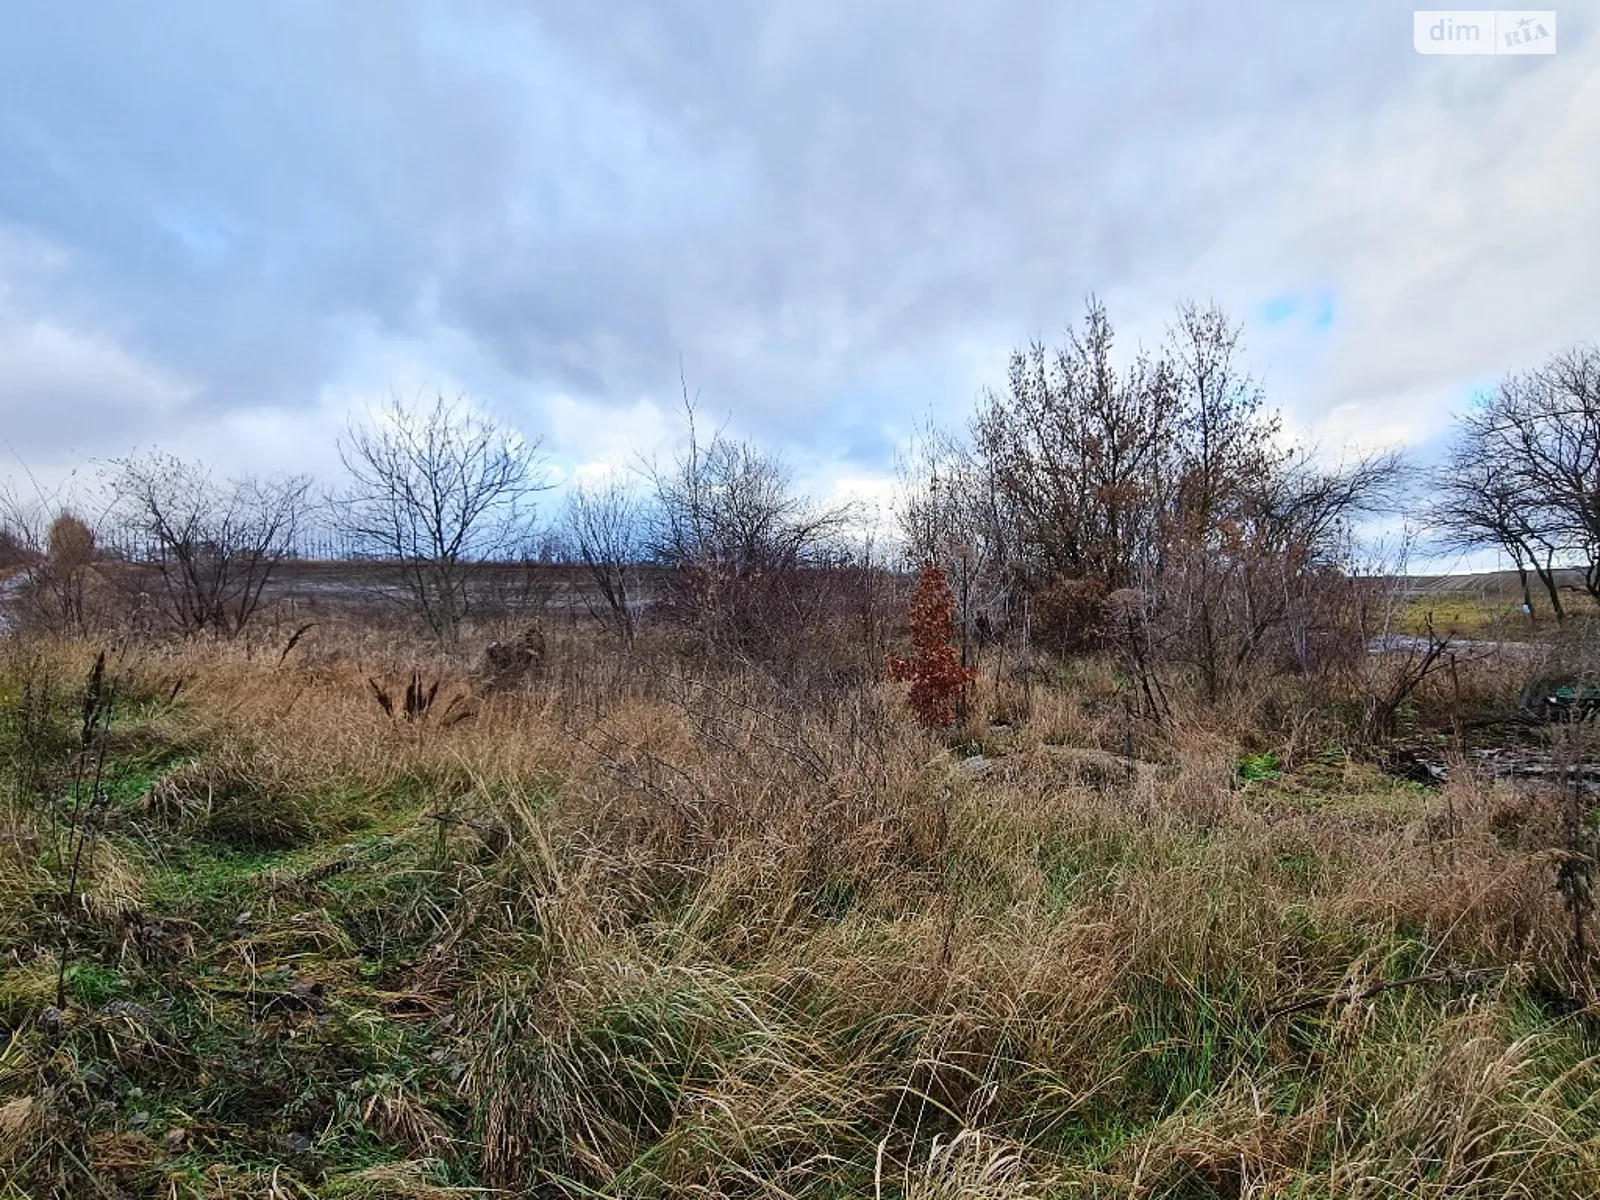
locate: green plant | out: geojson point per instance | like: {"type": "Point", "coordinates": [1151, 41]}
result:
{"type": "Point", "coordinates": [1259, 767]}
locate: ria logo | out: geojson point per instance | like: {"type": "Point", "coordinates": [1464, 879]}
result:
{"type": "Point", "coordinates": [1529, 30]}
{"type": "Point", "coordinates": [1484, 31]}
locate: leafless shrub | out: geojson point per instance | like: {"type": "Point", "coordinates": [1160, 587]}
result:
{"type": "Point", "coordinates": [210, 545]}
{"type": "Point", "coordinates": [606, 527]}
{"type": "Point", "coordinates": [64, 589]}
{"type": "Point", "coordinates": [1164, 476]}
{"type": "Point", "coordinates": [60, 584]}
{"type": "Point", "coordinates": [747, 559]}
{"type": "Point", "coordinates": [508, 664]}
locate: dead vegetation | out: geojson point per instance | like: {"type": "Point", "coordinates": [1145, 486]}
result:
{"type": "Point", "coordinates": [646, 926]}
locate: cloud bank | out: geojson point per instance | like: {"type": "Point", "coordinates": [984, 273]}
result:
{"type": "Point", "coordinates": [224, 227]}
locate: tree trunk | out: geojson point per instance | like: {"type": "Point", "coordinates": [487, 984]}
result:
{"type": "Point", "coordinates": [1547, 576]}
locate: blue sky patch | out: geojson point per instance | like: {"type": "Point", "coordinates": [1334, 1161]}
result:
{"type": "Point", "coordinates": [1315, 309]}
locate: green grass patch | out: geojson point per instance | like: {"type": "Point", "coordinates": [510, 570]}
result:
{"type": "Point", "coordinates": [1255, 768]}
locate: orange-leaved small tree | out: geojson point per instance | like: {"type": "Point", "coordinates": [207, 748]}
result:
{"type": "Point", "coordinates": [934, 669]}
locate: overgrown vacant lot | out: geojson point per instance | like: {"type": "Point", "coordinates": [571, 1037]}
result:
{"type": "Point", "coordinates": [635, 928]}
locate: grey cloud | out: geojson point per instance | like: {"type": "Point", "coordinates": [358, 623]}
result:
{"type": "Point", "coordinates": [819, 208]}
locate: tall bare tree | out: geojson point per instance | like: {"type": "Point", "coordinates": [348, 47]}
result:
{"type": "Point", "coordinates": [951, 513]}
{"type": "Point", "coordinates": [1215, 543]}
{"type": "Point", "coordinates": [212, 544]}
{"type": "Point", "coordinates": [432, 494]}
{"type": "Point", "coordinates": [1079, 454]}
{"type": "Point", "coordinates": [1478, 504]}
{"type": "Point", "coordinates": [1529, 470]}
{"type": "Point", "coordinates": [605, 527]}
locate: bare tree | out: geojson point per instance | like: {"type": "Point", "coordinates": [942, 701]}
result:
{"type": "Point", "coordinates": [606, 528]}
{"type": "Point", "coordinates": [1479, 504]}
{"type": "Point", "coordinates": [1566, 457]}
{"type": "Point", "coordinates": [951, 512]}
{"type": "Point", "coordinates": [745, 554]}
{"type": "Point", "coordinates": [1523, 474]}
{"type": "Point", "coordinates": [1216, 542]}
{"type": "Point", "coordinates": [1315, 505]}
{"type": "Point", "coordinates": [1079, 454]}
{"type": "Point", "coordinates": [433, 493]}
{"type": "Point", "coordinates": [1161, 482]}
{"type": "Point", "coordinates": [211, 544]}
{"type": "Point", "coordinates": [1226, 448]}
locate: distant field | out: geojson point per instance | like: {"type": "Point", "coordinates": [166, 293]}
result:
{"type": "Point", "coordinates": [1488, 604]}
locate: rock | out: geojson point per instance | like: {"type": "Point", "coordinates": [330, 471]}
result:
{"type": "Point", "coordinates": [977, 764]}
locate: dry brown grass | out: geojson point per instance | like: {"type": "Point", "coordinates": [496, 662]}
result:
{"type": "Point", "coordinates": [646, 928]}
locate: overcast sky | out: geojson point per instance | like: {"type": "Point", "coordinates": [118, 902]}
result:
{"type": "Point", "coordinates": [224, 225]}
